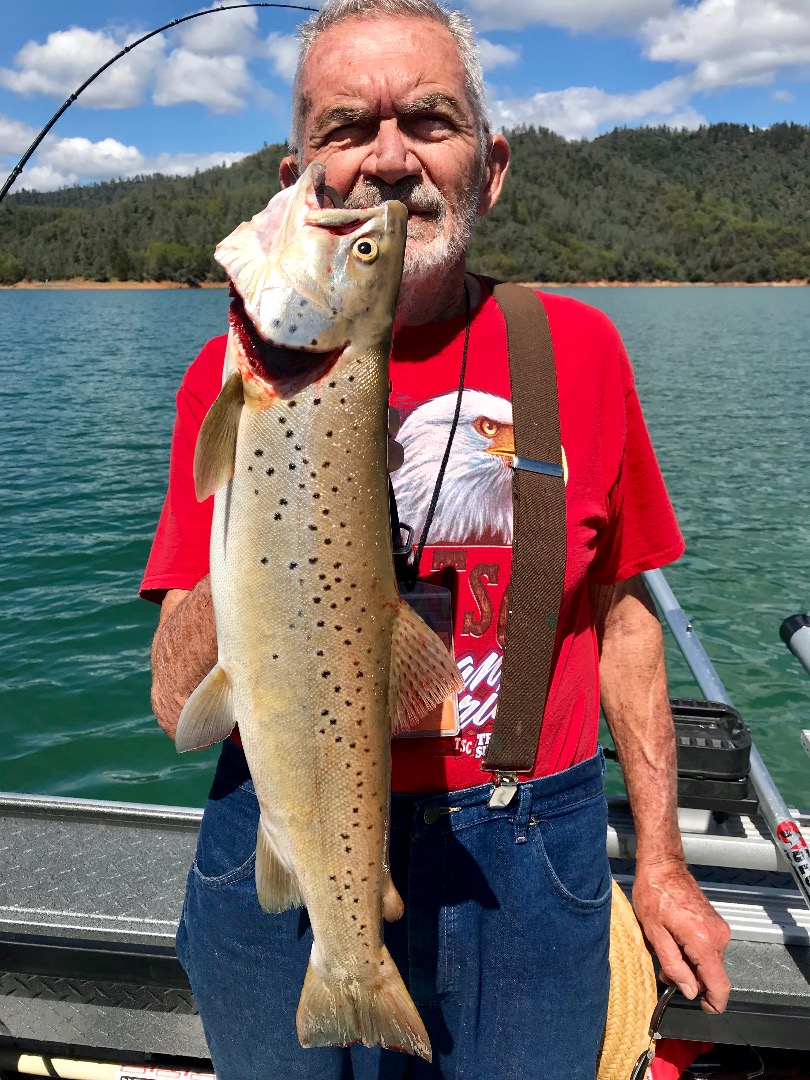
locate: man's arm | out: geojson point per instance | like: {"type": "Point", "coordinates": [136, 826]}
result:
{"type": "Point", "coordinates": [184, 650]}
{"type": "Point", "coordinates": [687, 935]}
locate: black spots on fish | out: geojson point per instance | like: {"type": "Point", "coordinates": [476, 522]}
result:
{"type": "Point", "coordinates": [276, 322]}
{"type": "Point", "coordinates": [338, 626]}
{"type": "Point", "coordinates": [338, 738]}
{"type": "Point", "coordinates": [338, 580]}
{"type": "Point", "coordinates": [320, 622]}
{"type": "Point", "coordinates": [297, 447]}
{"type": "Point", "coordinates": [314, 341]}
{"type": "Point", "coordinates": [282, 419]}
{"type": "Point", "coordinates": [333, 721]}
{"type": "Point", "coordinates": [332, 385]}
{"type": "Point", "coordinates": [351, 747]}
{"type": "Point", "coordinates": [347, 849]}
{"type": "Point", "coordinates": [313, 560]}
{"type": "Point", "coordinates": [327, 541]}
{"type": "Point", "coordinates": [250, 468]}
{"type": "Point", "coordinates": [322, 731]}
{"type": "Point", "coordinates": [316, 401]}
{"type": "Point", "coordinates": [358, 630]}
{"type": "Point", "coordinates": [354, 918]}
{"type": "Point", "coordinates": [292, 466]}
{"type": "Point", "coordinates": [320, 653]}
{"type": "Point", "coordinates": [347, 641]}
{"type": "Point", "coordinates": [344, 836]}
{"type": "Point", "coordinates": [343, 524]}
{"type": "Point", "coordinates": [316, 599]}
{"type": "Point", "coordinates": [326, 464]}
{"type": "Point", "coordinates": [359, 675]}
{"type": "Point", "coordinates": [312, 475]}
{"type": "Point", "coordinates": [348, 543]}
{"type": "Point", "coordinates": [329, 433]}
{"type": "Point", "coordinates": [337, 689]}
{"type": "Point", "coordinates": [259, 453]}
{"type": "Point", "coordinates": [343, 401]}
{"type": "Point", "coordinates": [359, 782]}
{"type": "Point", "coordinates": [316, 494]}
{"type": "Point", "coordinates": [275, 656]}
{"type": "Point", "coordinates": [303, 302]}
{"type": "Point", "coordinates": [282, 502]}
{"type": "Point", "coordinates": [332, 877]}
{"type": "Point", "coordinates": [292, 328]}
{"type": "Point", "coordinates": [334, 489]}
{"type": "Point", "coordinates": [324, 712]}
{"type": "Point", "coordinates": [346, 888]}
{"type": "Point", "coordinates": [325, 674]}
{"type": "Point", "coordinates": [271, 471]}
{"type": "Point", "coordinates": [332, 606]}
{"type": "Point", "coordinates": [292, 404]}
{"type": "Point", "coordinates": [302, 487]}
{"type": "Point", "coordinates": [346, 599]}
{"type": "Point", "coordinates": [264, 560]}
{"type": "Point", "coordinates": [347, 703]}
{"type": "Point", "coordinates": [359, 723]}
{"type": "Point", "coordinates": [312, 528]}
{"type": "Point", "coordinates": [288, 434]}
{"type": "Point", "coordinates": [293, 565]}
{"type": "Point", "coordinates": [255, 491]}
{"type": "Point", "coordinates": [351, 378]}
{"type": "Point", "coordinates": [321, 577]}
{"type": "Point", "coordinates": [325, 512]}
{"type": "Point", "coordinates": [327, 587]}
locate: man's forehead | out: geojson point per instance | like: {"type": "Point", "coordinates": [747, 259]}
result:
{"type": "Point", "coordinates": [412, 62]}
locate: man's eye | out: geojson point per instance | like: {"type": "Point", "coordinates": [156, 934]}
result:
{"type": "Point", "coordinates": [433, 124]}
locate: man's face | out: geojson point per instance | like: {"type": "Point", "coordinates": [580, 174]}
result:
{"type": "Point", "coordinates": [387, 113]}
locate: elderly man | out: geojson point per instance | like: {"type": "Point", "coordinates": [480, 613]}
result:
{"type": "Point", "coordinates": [504, 940]}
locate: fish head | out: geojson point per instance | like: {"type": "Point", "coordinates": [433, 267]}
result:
{"type": "Point", "coordinates": [312, 278]}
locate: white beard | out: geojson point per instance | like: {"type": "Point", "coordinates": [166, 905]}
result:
{"type": "Point", "coordinates": [475, 502]}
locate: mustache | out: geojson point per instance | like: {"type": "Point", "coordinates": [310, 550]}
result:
{"type": "Point", "coordinates": [416, 194]}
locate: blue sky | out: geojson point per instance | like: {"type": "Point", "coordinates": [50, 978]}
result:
{"type": "Point", "coordinates": [219, 87]}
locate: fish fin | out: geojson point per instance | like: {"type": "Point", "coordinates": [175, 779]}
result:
{"type": "Point", "coordinates": [341, 1012]}
{"type": "Point", "coordinates": [423, 673]}
{"type": "Point", "coordinates": [215, 452]}
{"type": "Point", "coordinates": [208, 715]}
{"type": "Point", "coordinates": [392, 906]}
{"type": "Point", "coordinates": [277, 888]}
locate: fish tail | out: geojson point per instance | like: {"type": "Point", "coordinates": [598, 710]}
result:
{"type": "Point", "coordinates": [340, 1012]}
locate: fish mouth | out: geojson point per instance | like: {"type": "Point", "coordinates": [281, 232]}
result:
{"type": "Point", "coordinates": [272, 362]}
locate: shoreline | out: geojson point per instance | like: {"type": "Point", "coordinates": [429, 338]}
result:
{"type": "Point", "coordinates": [72, 284]}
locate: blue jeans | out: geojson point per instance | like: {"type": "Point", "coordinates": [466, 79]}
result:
{"type": "Point", "coordinates": [503, 945]}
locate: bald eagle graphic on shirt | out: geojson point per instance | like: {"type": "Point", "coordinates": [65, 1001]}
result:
{"type": "Point", "coordinates": [475, 502]}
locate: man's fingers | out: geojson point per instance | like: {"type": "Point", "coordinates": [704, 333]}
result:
{"type": "Point", "coordinates": [674, 968]}
{"type": "Point", "coordinates": [715, 985]}
{"type": "Point", "coordinates": [396, 455]}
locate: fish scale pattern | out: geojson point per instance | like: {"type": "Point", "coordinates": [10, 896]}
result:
{"type": "Point", "coordinates": [93, 992]}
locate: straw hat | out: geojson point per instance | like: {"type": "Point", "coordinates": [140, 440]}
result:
{"type": "Point", "coordinates": [633, 993]}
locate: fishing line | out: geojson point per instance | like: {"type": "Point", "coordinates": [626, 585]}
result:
{"type": "Point", "coordinates": [18, 168]}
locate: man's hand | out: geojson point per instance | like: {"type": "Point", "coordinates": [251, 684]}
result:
{"type": "Point", "coordinates": [183, 651]}
{"type": "Point", "coordinates": [396, 454]}
{"type": "Point", "coordinates": [685, 932]}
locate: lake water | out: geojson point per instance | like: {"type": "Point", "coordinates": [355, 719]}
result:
{"type": "Point", "coordinates": [86, 409]}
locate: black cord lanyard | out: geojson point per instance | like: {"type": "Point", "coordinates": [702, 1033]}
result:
{"type": "Point", "coordinates": [413, 569]}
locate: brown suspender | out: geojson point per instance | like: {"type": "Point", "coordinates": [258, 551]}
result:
{"type": "Point", "coordinates": [539, 538]}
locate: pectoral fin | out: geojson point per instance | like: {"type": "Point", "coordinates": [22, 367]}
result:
{"type": "Point", "coordinates": [277, 888]}
{"type": "Point", "coordinates": [423, 673]}
{"type": "Point", "coordinates": [208, 715]}
{"type": "Point", "coordinates": [216, 444]}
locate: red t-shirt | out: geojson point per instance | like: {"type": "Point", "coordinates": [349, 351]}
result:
{"type": "Point", "coordinates": [618, 516]}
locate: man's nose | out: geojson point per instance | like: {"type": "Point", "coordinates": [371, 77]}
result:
{"type": "Point", "coordinates": [391, 159]}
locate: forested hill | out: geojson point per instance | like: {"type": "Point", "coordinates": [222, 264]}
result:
{"type": "Point", "coordinates": [720, 204]}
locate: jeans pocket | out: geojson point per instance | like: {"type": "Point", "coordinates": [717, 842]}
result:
{"type": "Point", "coordinates": [226, 845]}
{"type": "Point", "coordinates": [571, 848]}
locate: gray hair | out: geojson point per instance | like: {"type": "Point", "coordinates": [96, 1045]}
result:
{"type": "Point", "coordinates": [460, 27]}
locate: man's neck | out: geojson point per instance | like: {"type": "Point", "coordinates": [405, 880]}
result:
{"type": "Point", "coordinates": [440, 297]}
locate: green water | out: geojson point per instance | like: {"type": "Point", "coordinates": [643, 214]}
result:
{"type": "Point", "coordinates": [86, 408]}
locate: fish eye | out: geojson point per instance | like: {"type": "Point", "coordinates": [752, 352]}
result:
{"type": "Point", "coordinates": [366, 250]}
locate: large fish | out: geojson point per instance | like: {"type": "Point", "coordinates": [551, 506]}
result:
{"type": "Point", "coordinates": [319, 658]}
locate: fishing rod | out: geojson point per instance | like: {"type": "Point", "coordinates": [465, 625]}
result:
{"type": "Point", "coordinates": [786, 834]}
{"type": "Point", "coordinates": [18, 168]}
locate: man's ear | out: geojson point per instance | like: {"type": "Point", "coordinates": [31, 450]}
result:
{"type": "Point", "coordinates": [497, 164]}
{"type": "Point", "coordinates": [288, 170]}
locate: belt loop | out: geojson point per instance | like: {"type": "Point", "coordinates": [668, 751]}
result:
{"type": "Point", "coordinates": [523, 811]}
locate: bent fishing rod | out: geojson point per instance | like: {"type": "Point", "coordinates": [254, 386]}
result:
{"type": "Point", "coordinates": [18, 168]}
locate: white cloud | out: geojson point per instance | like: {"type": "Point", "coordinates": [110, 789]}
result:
{"type": "Point", "coordinates": [67, 57]}
{"type": "Point", "coordinates": [61, 162]}
{"type": "Point", "coordinates": [493, 55]}
{"type": "Point", "coordinates": [15, 136]}
{"type": "Point", "coordinates": [783, 96]}
{"type": "Point", "coordinates": [732, 42]}
{"type": "Point", "coordinates": [282, 49]}
{"type": "Point", "coordinates": [221, 83]}
{"type": "Point", "coordinates": [580, 112]}
{"type": "Point", "coordinates": [233, 34]}
{"type": "Point", "coordinates": [620, 15]}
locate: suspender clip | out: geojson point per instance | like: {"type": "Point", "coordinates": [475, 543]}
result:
{"type": "Point", "coordinates": [506, 784]}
